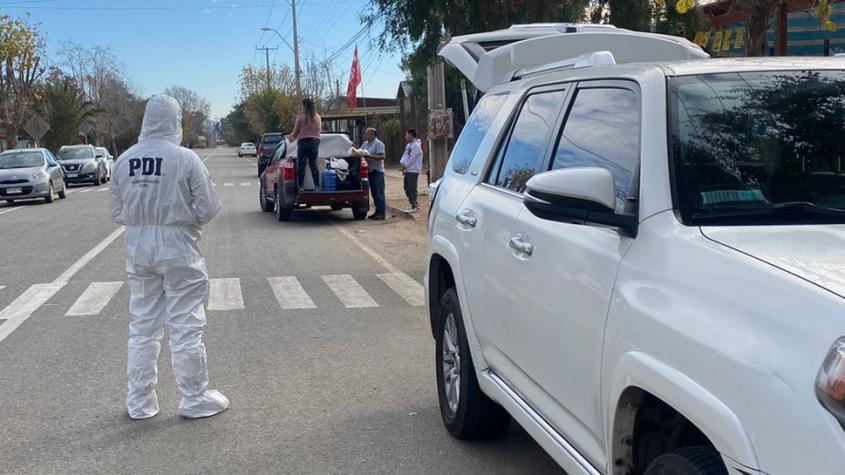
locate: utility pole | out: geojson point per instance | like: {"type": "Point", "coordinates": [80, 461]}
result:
{"type": "Point", "coordinates": [267, 57]}
{"type": "Point", "coordinates": [296, 51]}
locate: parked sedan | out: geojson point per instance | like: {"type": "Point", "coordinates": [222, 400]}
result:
{"type": "Point", "coordinates": [82, 164]}
{"type": "Point", "coordinates": [30, 174]}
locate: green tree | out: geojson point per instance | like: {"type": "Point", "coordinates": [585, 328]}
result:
{"type": "Point", "coordinates": [66, 108]}
{"type": "Point", "coordinates": [20, 70]}
{"type": "Point", "coordinates": [418, 27]}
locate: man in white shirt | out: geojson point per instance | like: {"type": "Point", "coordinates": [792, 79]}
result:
{"type": "Point", "coordinates": [411, 165]}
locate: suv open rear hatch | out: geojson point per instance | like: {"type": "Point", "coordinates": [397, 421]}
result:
{"type": "Point", "coordinates": [498, 57]}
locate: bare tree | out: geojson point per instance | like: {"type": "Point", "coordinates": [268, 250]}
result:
{"type": "Point", "coordinates": [20, 70]}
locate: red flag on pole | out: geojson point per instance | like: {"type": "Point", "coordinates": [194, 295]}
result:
{"type": "Point", "coordinates": [354, 82]}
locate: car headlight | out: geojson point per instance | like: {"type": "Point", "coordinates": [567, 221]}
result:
{"type": "Point", "coordinates": [830, 382]}
{"type": "Point", "coordinates": [39, 175]}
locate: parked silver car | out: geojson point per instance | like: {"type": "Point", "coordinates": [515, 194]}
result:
{"type": "Point", "coordinates": [30, 174]}
{"type": "Point", "coordinates": [83, 164]}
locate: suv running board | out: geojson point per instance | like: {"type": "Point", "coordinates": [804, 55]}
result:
{"type": "Point", "coordinates": [553, 442]}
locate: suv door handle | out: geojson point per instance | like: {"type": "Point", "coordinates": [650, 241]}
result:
{"type": "Point", "coordinates": [467, 218]}
{"type": "Point", "coordinates": [521, 246]}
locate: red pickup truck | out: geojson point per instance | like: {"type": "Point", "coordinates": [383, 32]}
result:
{"type": "Point", "coordinates": [279, 192]}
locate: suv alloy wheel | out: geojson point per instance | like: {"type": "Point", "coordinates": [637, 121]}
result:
{"type": "Point", "coordinates": [467, 412]}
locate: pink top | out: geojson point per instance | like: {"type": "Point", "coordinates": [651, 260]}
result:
{"type": "Point", "coordinates": [304, 129]}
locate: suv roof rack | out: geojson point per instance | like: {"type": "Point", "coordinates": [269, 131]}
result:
{"type": "Point", "coordinates": [497, 57]}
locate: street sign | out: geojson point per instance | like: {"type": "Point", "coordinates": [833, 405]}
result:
{"type": "Point", "coordinates": [36, 128]}
{"type": "Point", "coordinates": [86, 128]}
{"type": "Point", "coordinates": [440, 124]}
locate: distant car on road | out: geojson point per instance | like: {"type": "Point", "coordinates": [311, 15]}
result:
{"type": "Point", "coordinates": [279, 192]}
{"type": "Point", "coordinates": [108, 159]}
{"type": "Point", "coordinates": [266, 147]}
{"type": "Point", "coordinates": [30, 174]}
{"type": "Point", "coordinates": [82, 163]}
{"type": "Point", "coordinates": [247, 148]}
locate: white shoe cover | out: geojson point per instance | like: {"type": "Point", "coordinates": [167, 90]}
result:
{"type": "Point", "coordinates": [143, 408]}
{"type": "Point", "coordinates": [209, 404]}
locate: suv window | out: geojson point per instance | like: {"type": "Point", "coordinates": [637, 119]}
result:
{"type": "Point", "coordinates": [474, 131]}
{"type": "Point", "coordinates": [523, 153]}
{"type": "Point", "coordinates": [602, 130]}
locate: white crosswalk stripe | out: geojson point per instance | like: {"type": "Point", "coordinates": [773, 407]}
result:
{"type": "Point", "coordinates": [407, 288]}
{"type": "Point", "coordinates": [228, 184]}
{"type": "Point", "coordinates": [225, 294]}
{"type": "Point", "coordinates": [103, 189]}
{"type": "Point", "coordinates": [289, 293]}
{"type": "Point", "coordinates": [349, 291]}
{"type": "Point", "coordinates": [86, 190]}
{"type": "Point", "coordinates": [246, 184]}
{"type": "Point", "coordinates": [25, 305]}
{"type": "Point", "coordinates": [94, 299]}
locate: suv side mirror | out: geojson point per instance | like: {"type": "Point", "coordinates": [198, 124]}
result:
{"type": "Point", "coordinates": [585, 194]}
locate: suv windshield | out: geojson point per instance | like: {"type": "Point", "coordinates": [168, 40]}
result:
{"type": "Point", "coordinates": [21, 160]}
{"type": "Point", "coordinates": [759, 148]}
{"type": "Point", "coordinates": [75, 153]}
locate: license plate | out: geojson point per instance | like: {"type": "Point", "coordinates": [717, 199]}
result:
{"type": "Point", "coordinates": [14, 191]}
{"type": "Point", "coordinates": [72, 175]}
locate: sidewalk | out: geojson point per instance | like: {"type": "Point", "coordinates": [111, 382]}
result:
{"type": "Point", "coordinates": [396, 199]}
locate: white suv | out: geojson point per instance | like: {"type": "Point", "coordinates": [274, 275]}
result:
{"type": "Point", "coordinates": [643, 264]}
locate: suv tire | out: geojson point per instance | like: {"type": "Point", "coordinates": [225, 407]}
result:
{"type": "Point", "coordinates": [469, 414]}
{"type": "Point", "coordinates": [687, 461]}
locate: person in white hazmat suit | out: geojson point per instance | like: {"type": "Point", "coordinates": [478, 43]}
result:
{"type": "Point", "coordinates": [163, 194]}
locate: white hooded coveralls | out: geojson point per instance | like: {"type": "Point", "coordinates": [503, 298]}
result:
{"type": "Point", "coordinates": [163, 194]}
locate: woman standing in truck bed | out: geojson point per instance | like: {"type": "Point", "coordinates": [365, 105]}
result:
{"type": "Point", "coordinates": [307, 131]}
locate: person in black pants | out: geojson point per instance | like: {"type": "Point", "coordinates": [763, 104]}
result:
{"type": "Point", "coordinates": [306, 131]}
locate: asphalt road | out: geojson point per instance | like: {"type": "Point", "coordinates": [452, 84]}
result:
{"type": "Point", "coordinates": [340, 381]}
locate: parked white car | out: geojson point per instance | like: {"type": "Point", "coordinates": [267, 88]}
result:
{"type": "Point", "coordinates": [642, 261]}
{"type": "Point", "coordinates": [247, 148]}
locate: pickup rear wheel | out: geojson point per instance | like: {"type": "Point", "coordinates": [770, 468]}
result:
{"type": "Point", "coordinates": [359, 210]}
{"type": "Point", "coordinates": [687, 461]}
{"type": "Point", "coordinates": [467, 412]}
{"type": "Point", "coordinates": [282, 213]}
{"type": "Point", "coordinates": [266, 205]}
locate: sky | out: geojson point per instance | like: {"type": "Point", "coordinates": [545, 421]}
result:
{"type": "Point", "coordinates": [203, 44]}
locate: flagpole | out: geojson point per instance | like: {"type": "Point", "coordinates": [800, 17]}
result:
{"type": "Point", "coordinates": [363, 97]}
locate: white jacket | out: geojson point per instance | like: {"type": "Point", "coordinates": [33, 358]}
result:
{"type": "Point", "coordinates": [158, 185]}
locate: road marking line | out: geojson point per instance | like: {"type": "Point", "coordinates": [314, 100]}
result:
{"type": "Point", "coordinates": [2, 287]}
{"type": "Point", "coordinates": [94, 299]}
{"type": "Point", "coordinates": [228, 184]}
{"type": "Point", "coordinates": [73, 269]}
{"type": "Point", "coordinates": [86, 190]}
{"type": "Point", "coordinates": [103, 189]}
{"type": "Point", "coordinates": [407, 288]}
{"type": "Point", "coordinates": [25, 305]}
{"type": "Point", "coordinates": [225, 294]}
{"type": "Point", "coordinates": [208, 156]}
{"type": "Point", "coordinates": [246, 184]}
{"type": "Point", "coordinates": [349, 291]}
{"type": "Point", "coordinates": [289, 293]}
{"type": "Point", "coordinates": [6, 211]}
{"type": "Point", "coordinates": [390, 267]}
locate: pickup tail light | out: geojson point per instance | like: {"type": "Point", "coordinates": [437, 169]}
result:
{"type": "Point", "coordinates": [365, 169]}
{"type": "Point", "coordinates": [261, 149]}
{"type": "Point", "coordinates": [830, 382]}
{"type": "Point", "coordinates": [288, 170]}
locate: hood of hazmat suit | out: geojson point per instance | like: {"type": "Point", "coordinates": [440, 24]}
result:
{"type": "Point", "coordinates": [163, 194]}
